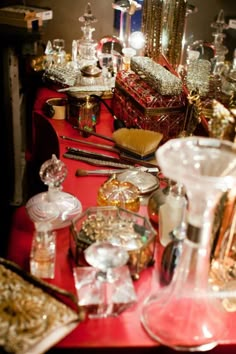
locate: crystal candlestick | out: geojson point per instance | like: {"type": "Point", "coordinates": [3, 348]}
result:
{"type": "Point", "coordinates": [186, 314]}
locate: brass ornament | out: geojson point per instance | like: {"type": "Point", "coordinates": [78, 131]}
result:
{"type": "Point", "coordinates": [222, 124]}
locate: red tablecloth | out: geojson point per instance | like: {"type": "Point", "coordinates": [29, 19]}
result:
{"type": "Point", "coordinates": [124, 331]}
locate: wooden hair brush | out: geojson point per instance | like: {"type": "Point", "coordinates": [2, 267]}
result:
{"type": "Point", "coordinates": [139, 143]}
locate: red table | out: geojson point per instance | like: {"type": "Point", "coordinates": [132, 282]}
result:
{"type": "Point", "coordinates": [124, 331]}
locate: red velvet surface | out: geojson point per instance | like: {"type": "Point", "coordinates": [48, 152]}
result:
{"type": "Point", "coordinates": [124, 331]}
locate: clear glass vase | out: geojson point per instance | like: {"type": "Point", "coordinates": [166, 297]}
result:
{"type": "Point", "coordinates": [186, 314]}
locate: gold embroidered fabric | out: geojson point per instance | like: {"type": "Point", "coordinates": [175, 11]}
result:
{"type": "Point", "coordinates": [31, 319]}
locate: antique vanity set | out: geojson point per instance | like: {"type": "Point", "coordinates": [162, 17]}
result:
{"type": "Point", "coordinates": [135, 222]}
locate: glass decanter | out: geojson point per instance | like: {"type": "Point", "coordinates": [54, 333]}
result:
{"type": "Point", "coordinates": [54, 206]}
{"type": "Point", "coordinates": [186, 314]}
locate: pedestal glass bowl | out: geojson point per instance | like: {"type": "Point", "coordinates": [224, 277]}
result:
{"type": "Point", "coordinates": [186, 314]}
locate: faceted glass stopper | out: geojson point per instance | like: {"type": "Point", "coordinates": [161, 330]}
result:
{"type": "Point", "coordinates": [106, 288]}
{"type": "Point", "coordinates": [103, 255]}
{"type": "Point", "coordinates": [88, 16]}
{"type": "Point", "coordinates": [53, 172]}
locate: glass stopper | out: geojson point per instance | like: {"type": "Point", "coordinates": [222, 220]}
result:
{"type": "Point", "coordinates": [53, 172]}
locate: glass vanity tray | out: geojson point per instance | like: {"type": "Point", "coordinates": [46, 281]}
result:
{"type": "Point", "coordinates": [119, 227]}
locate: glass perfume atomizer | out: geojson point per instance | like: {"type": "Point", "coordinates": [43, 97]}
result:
{"type": "Point", "coordinates": [87, 118]}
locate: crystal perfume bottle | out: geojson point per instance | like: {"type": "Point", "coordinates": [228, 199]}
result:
{"type": "Point", "coordinates": [43, 251]}
{"type": "Point", "coordinates": [59, 53]}
{"type": "Point", "coordinates": [54, 206]}
{"type": "Point", "coordinates": [171, 254]}
{"type": "Point", "coordinates": [87, 45]}
{"type": "Point", "coordinates": [87, 118]}
{"type": "Point", "coordinates": [171, 212]}
{"type": "Point", "coordinates": [220, 49]}
{"type": "Point", "coordinates": [186, 314]}
{"type": "Point", "coordinates": [156, 199]}
{"type": "Point", "coordinates": [105, 289]}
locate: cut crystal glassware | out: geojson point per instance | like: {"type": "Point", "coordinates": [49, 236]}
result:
{"type": "Point", "coordinates": [187, 314]}
{"type": "Point", "coordinates": [106, 288]}
{"type": "Point", "coordinates": [105, 256]}
{"type": "Point", "coordinates": [59, 51]}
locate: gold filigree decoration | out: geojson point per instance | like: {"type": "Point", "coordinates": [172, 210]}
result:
{"type": "Point", "coordinates": [222, 124]}
{"type": "Point", "coordinates": [27, 313]}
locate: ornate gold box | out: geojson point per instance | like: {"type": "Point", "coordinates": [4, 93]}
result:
{"type": "Point", "coordinates": [118, 226]}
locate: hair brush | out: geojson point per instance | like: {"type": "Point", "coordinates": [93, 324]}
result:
{"type": "Point", "coordinates": [139, 143]}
